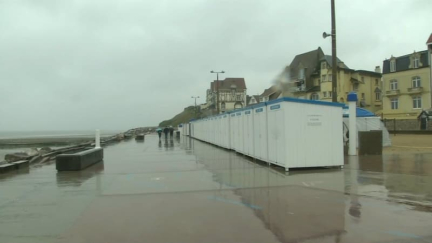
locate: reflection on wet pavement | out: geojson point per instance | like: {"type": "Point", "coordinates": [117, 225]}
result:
{"type": "Point", "coordinates": [183, 190]}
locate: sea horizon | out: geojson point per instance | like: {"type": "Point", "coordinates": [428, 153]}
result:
{"type": "Point", "coordinates": [53, 133]}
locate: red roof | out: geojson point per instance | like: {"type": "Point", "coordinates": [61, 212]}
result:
{"type": "Point", "coordinates": [228, 83]}
{"type": "Point", "coordinates": [429, 41]}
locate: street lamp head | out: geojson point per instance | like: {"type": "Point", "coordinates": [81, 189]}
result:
{"type": "Point", "coordinates": [198, 97]}
{"type": "Point", "coordinates": [223, 72]}
{"type": "Point", "coordinates": [325, 35]}
{"type": "Point", "coordinates": [211, 71]}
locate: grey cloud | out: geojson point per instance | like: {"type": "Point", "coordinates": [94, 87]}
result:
{"type": "Point", "coordinates": [78, 64]}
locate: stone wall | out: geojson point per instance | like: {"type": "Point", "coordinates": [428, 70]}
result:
{"type": "Point", "coordinates": [404, 124]}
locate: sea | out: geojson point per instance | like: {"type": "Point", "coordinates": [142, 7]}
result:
{"type": "Point", "coordinates": [53, 134]}
{"type": "Point", "coordinates": [45, 134]}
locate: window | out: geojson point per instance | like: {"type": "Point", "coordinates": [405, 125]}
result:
{"type": "Point", "coordinates": [323, 65]}
{"type": "Point", "coordinates": [417, 102]}
{"type": "Point", "coordinates": [363, 95]}
{"type": "Point", "coordinates": [393, 84]}
{"type": "Point", "coordinates": [394, 103]}
{"type": "Point", "coordinates": [416, 82]}
{"type": "Point", "coordinates": [223, 106]}
{"type": "Point", "coordinates": [355, 86]}
{"type": "Point", "coordinates": [393, 66]}
{"type": "Point", "coordinates": [323, 78]}
{"type": "Point", "coordinates": [362, 79]}
{"type": "Point", "coordinates": [238, 97]}
{"type": "Point", "coordinates": [301, 73]}
{"type": "Point", "coordinates": [376, 82]}
{"type": "Point", "coordinates": [330, 78]}
{"type": "Point", "coordinates": [314, 96]}
{"type": "Point", "coordinates": [330, 94]}
{"type": "Point", "coordinates": [325, 94]}
{"type": "Point", "coordinates": [416, 62]}
{"type": "Point", "coordinates": [378, 96]}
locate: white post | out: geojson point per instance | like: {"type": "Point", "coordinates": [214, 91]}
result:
{"type": "Point", "coordinates": [352, 104]}
{"type": "Point", "coordinates": [97, 142]}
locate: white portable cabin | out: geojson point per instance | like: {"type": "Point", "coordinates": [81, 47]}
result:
{"type": "Point", "coordinates": [187, 125]}
{"type": "Point", "coordinates": [241, 117]}
{"type": "Point", "coordinates": [238, 131]}
{"type": "Point", "coordinates": [232, 121]}
{"type": "Point", "coordinates": [219, 136]}
{"type": "Point", "coordinates": [225, 131]}
{"type": "Point", "coordinates": [304, 133]}
{"type": "Point", "coordinates": [248, 132]}
{"type": "Point", "coordinates": [260, 131]}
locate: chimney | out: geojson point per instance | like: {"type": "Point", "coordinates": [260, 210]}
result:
{"type": "Point", "coordinates": [378, 69]}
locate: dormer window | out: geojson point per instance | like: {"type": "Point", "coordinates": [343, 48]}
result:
{"type": "Point", "coordinates": [323, 65]}
{"type": "Point", "coordinates": [301, 73]}
{"type": "Point", "coordinates": [416, 62]}
{"type": "Point", "coordinates": [393, 66]}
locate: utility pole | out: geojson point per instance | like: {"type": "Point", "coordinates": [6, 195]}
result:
{"type": "Point", "coordinates": [196, 110]}
{"type": "Point", "coordinates": [217, 90]}
{"type": "Point", "coordinates": [334, 55]}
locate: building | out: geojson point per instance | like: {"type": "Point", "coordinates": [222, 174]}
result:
{"type": "Point", "coordinates": [232, 94]}
{"type": "Point", "coordinates": [309, 76]}
{"type": "Point", "coordinates": [271, 93]}
{"type": "Point", "coordinates": [406, 85]}
{"type": "Point", "coordinates": [252, 100]}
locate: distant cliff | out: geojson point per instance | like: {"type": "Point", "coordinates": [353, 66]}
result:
{"type": "Point", "coordinates": [183, 117]}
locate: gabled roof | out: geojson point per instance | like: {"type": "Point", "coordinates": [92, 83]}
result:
{"type": "Point", "coordinates": [308, 60]}
{"type": "Point", "coordinates": [228, 83]}
{"type": "Point", "coordinates": [329, 60]}
{"type": "Point", "coordinates": [403, 62]}
{"type": "Point", "coordinates": [269, 91]}
{"type": "Point", "coordinates": [256, 97]}
{"type": "Point", "coordinates": [275, 95]}
{"type": "Point", "coordinates": [429, 41]}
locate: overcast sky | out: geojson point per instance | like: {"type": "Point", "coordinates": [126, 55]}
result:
{"type": "Point", "coordinates": [119, 64]}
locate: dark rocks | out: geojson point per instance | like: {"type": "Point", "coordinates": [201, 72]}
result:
{"type": "Point", "coordinates": [32, 152]}
{"type": "Point", "coordinates": [35, 159]}
{"type": "Point", "coordinates": [16, 157]}
{"type": "Point", "coordinates": [44, 150]}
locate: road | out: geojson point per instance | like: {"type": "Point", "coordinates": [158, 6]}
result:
{"type": "Point", "coordinates": [188, 191]}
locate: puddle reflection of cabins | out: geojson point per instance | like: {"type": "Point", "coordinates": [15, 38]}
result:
{"type": "Point", "coordinates": [288, 208]}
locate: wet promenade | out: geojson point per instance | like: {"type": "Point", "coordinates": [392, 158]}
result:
{"type": "Point", "coordinates": [188, 191]}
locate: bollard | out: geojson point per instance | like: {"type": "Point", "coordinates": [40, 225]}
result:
{"type": "Point", "coordinates": [97, 141]}
{"type": "Point", "coordinates": [352, 104]}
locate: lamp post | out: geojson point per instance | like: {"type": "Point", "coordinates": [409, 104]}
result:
{"type": "Point", "coordinates": [334, 58]}
{"type": "Point", "coordinates": [217, 89]}
{"type": "Point", "coordinates": [195, 97]}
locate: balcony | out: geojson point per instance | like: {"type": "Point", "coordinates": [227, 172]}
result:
{"type": "Point", "coordinates": [415, 90]}
{"type": "Point", "coordinates": [392, 92]}
{"type": "Point", "coordinates": [378, 103]}
{"type": "Point", "coordinates": [299, 89]}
